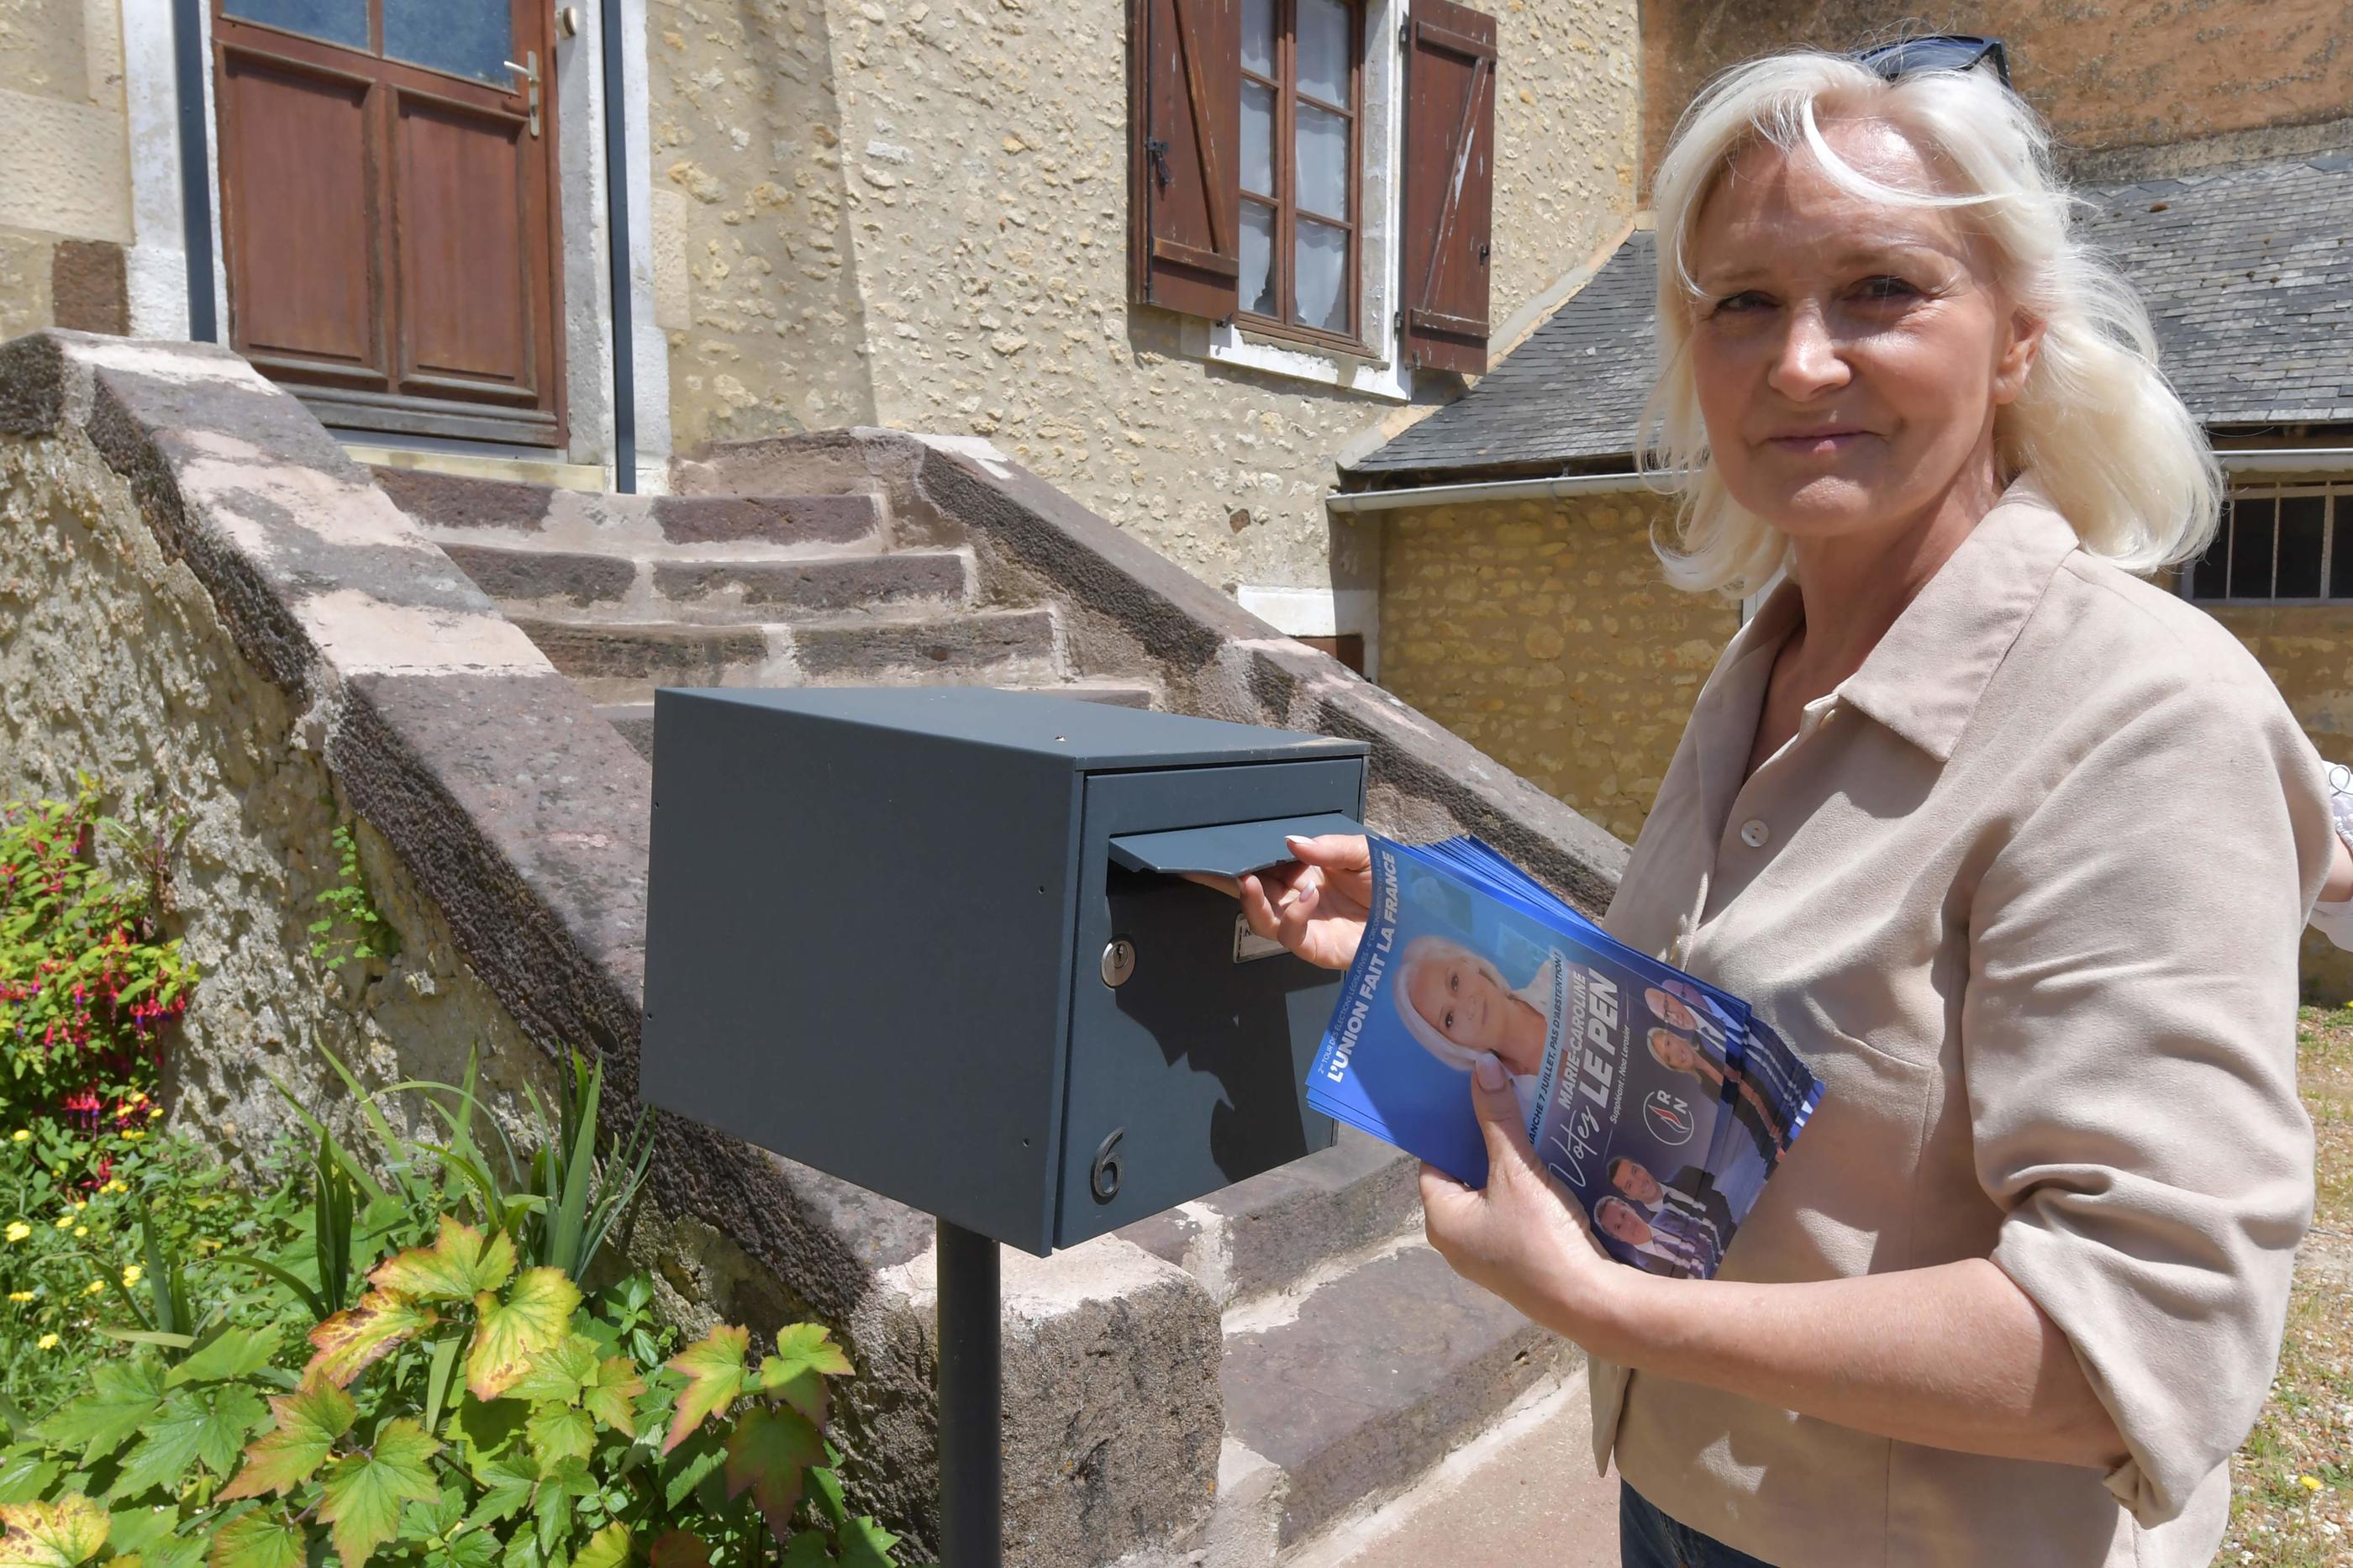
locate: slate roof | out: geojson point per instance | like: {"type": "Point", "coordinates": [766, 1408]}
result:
{"type": "Point", "coordinates": [2247, 273]}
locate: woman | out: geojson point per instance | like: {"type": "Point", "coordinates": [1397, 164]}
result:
{"type": "Point", "coordinates": [1458, 1006]}
{"type": "Point", "coordinates": [1755, 1111]}
{"type": "Point", "coordinates": [2012, 847]}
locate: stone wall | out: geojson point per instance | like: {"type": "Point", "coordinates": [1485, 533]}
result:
{"type": "Point", "coordinates": [916, 216]}
{"type": "Point", "coordinates": [2308, 650]}
{"type": "Point", "coordinates": [2107, 74]}
{"type": "Point", "coordinates": [1541, 632]}
{"type": "Point", "coordinates": [65, 178]}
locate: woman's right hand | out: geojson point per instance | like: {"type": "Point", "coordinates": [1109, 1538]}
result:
{"type": "Point", "coordinates": [1315, 905]}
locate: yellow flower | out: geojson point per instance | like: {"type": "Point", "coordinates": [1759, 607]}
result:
{"type": "Point", "coordinates": [117, 1185]}
{"type": "Point", "coordinates": [134, 1135]}
{"type": "Point", "coordinates": [49, 1342]}
{"type": "Point", "coordinates": [18, 1230]}
{"type": "Point", "coordinates": [65, 1221]}
{"type": "Point", "coordinates": [81, 1230]}
{"type": "Point", "coordinates": [20, 1294]}
{"type": "Point", "coordinates": [130, 1275]}
{"type": "Point", "coordinates": [154, 1111]}
{"type": "Point", "coordinates": [2309, 1483]}
{"type": "Point", "coordinates": [22, 1135]}
{"type": "Point", "coordinates": [94, 1287]}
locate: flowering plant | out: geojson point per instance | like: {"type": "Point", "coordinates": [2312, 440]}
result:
{"type": "Point", "coordinates": [88, 986]}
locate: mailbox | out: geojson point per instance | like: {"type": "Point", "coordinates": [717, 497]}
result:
{"type": "Point", "coordinates": [937, 942]}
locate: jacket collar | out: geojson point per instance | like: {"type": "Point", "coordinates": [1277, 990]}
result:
{"type": "Point", "coordinates": [1924, 678]}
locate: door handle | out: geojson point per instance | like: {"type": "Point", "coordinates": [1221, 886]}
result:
{"type": "Point", "coordinates": [529, 71]}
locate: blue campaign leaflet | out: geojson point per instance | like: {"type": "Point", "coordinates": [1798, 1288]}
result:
{"type": "Point", "coordinates": [1656, 1100]}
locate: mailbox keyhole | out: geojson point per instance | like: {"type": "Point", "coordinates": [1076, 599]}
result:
{"type": "Point", "coordinates": [1103, 1176]}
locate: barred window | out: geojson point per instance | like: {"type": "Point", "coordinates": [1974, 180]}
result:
{"type": "Point", "coordinates": [2278, 542]}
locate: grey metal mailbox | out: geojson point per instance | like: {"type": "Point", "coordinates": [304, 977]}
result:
{"type": "Point", "coordinates": [935, 941]}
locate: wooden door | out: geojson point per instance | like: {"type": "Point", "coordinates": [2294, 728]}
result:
{"type": "Point", "coordinates": [388, 210]}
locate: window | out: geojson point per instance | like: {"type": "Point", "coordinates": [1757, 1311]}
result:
{"type": "Point", "coordinates": [1301, 163]}
{"type": "Point", "coordinates": [2278, 541]}
{"type": "Point", "coordinates": [1317, 172]}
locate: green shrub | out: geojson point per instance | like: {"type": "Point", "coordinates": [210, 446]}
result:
{"type": "Point", "coordinates": [461, 1403]}
{"type": "Point", "coordinates": [88, 987]}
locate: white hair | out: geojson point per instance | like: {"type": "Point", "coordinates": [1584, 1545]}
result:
{"type": "Point", "coordinates": [1424, 949]}
{"type": "Point", "coordinates": [2103, 434]}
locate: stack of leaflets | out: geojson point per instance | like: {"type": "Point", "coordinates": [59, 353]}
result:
{"type": "Point", "coordinates": [1660, 1102]}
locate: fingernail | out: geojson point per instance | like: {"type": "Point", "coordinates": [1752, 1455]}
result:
{"type": "Point", "coordinates": [1489, 1070]}
{"type": "Point", "coordinates": [1292, 840]}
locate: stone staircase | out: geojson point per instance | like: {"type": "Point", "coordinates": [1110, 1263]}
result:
{"type": "Point", "coordinates": [1354, 1361]}
{"type": "Point", "coordinates": [626, 594]}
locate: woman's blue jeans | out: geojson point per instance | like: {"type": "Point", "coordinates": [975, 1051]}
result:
{"type": "Point", "coordinates": [1648, 1539]}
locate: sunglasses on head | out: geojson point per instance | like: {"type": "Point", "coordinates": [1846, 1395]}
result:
{"type": "Point", "coordinates": [1942, 52]}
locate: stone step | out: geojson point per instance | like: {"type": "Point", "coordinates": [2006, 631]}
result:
{"type": "Point", "coordinates": [528, 580]}
{"type": "Point", "coordinates": [1267, 1235]}
{"type": "Point", "coordinates": [1347, 1391]}
{"type": "Point", "coordinates": [622, 661]}
{"type": "Point", "coordinates": [1522, 1491]}
{"type": "Point", "coordinates": [452, 508]}
{"type": "Point", "coordinates": [634, 721]}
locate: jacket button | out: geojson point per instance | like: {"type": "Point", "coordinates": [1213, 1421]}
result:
{"type": "Point", "coordinates": [1753, 833]}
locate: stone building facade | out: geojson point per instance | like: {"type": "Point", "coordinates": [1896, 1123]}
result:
{"type": "Point", "coordinates": [1541, 630]}
{"type": "Point", "coordinates": [832, 214]}
{"type": "Point", "coordinates": [64, 186]}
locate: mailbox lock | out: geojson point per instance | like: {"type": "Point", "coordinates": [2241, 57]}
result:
{"type": "Point", "coordinates": [1118, 965]}
{"type": "Point", "coordinates": [1102, 1177]}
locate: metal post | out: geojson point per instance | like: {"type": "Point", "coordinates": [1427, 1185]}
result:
{"type": "Point", "coordinates": [971, 1394]}
{"type": "Point", "coordinates": [617, 252]}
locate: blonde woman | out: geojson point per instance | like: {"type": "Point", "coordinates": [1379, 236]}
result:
{"type": "Point", "coordinates": [1457, 1005]}
{"type": "Point", "coordinates": [2014, 847]}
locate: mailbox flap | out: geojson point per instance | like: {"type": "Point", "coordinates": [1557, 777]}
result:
{"type": "Point", "coordinates": [1227, 849]}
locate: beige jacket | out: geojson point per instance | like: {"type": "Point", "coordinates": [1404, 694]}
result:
{"type": "Point", "coordinates": [2026, 891]}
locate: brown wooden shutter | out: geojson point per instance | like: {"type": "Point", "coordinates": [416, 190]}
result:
{"type": "Point", "coordinates": [1186, 127]}
{"type": "Point", "coordinates": [1449, 181]}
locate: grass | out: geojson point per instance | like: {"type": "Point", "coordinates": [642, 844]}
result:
{"type": "Point", "coordinates": [2291, 1501]}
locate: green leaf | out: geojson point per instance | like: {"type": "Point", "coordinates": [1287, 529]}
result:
{"type": "Point", "coordinates": [866, 1544]}
{"type": "Point", "coordinates": [807, 1550]}
{"type": "Point", "coordinates": [458, 1267]}
{"type": "Point", "coordinates": [507, 1481]}
{"type": "Point", "coordinates": [488, 1429]}
{"type": "Point", "coordinates": [684, 1470]}
{"type": "Point", "coordinates": [58, 1534]}
{"type": "Point", "coordinates": [123, 1395]}
{"type": "Point", "coordinates": [309, 1419]}
{"type": "Point", "coordinates": [183, 1550]}
{"type": "Point", "coordinates": [25, 1474]}
{"type": "Point", "coordinates": [444, 1361]}
{"type": "Point", "coordinates": [233, 1353]}
{"type": "Point", "coordinates": [805, 1356]}
{"type": "Point", "coordinates": [713, 1368]}
{"type": "Point", "coordinates": [609, 1548]}
{"type": "Point", "coordinates": [137, 1528]}
{"type": "Point", "coordinates": [262, 1539]}
{"type": "Point", "coordinates": [825, 1485]}
{"type": "Point", "coordinates": [766, 1453]}
{"type": "Point", "coordinates": [612, 1394]}
{"type": "Point", "coordinates": [535, 1316]}
{"type": "Point", "coordinates": [207, 1426]}
{"type": "Point", "coordinates": [355, 1337]}
{"type": "Point", "coordinates": [474, 1548]}
{"type": "Point", "coordinates": [364, 1491]}
{"type": "Point", "coordinates": [560, 1375]}
{"type": "Point", "coordinates": [559, 1431]}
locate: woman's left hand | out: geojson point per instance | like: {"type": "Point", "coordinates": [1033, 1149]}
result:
{"type": "Point", "coordinates": [1521, 1237]}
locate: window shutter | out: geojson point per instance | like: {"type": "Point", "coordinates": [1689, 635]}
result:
{"type": "Point", "coordinates": [1186, 121]}
{"type": "Point", "coordinates": [1450, 180]}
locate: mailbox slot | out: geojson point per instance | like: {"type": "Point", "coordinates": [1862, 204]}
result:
{"type": "Point", "coordinates": [1195, 1035]}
